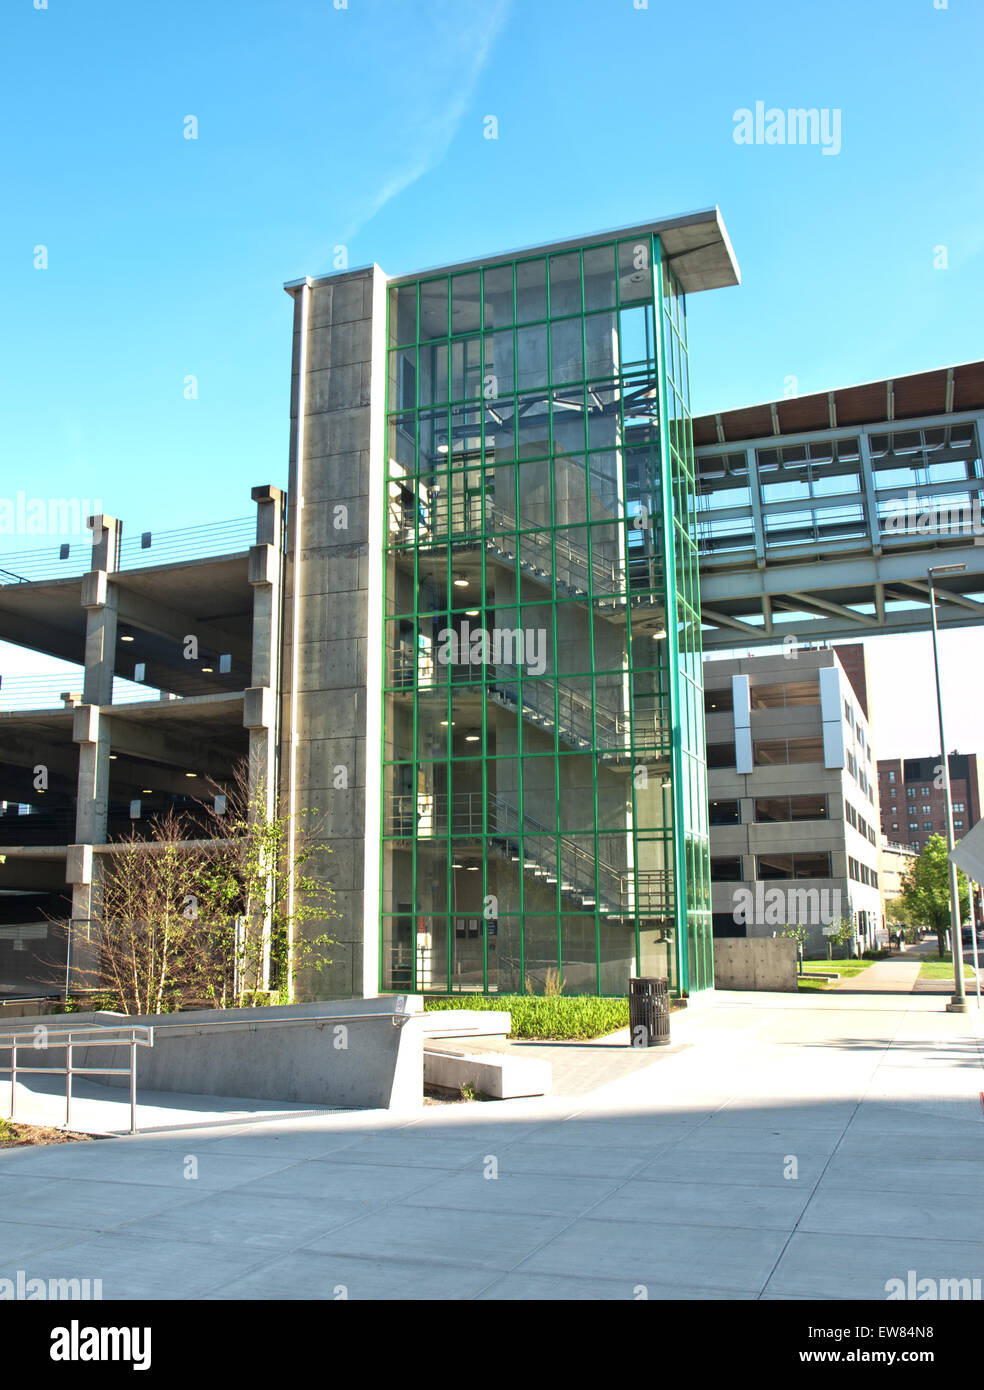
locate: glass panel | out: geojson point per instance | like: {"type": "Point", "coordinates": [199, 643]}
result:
{"type": "Point", "coordinates": [434, 309]}
{"type": "Point", "coordinates": [599, 278]}
{"type": "Point", "coordinates": [635, 284]}
{"type": "Point", "coordinates": [403, 302]}
{"type": "Point", "coordinates": [465, 303]}
{"type": "Point", "coordinates": [565, 285]}
{"type": "Point", "coordinates": [498, 288]}
{"type": "Point", "coordinates": [531, 291]}
{"type": "Point", "coordinates": [531, 357]}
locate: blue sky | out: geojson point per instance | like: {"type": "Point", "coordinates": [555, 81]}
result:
{"type": "Point", "coordinates": [363, 126]}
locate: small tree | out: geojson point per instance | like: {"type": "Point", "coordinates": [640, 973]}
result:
{"type": "Point", "coordinates": [183, 919]}
{"type": "Point", "coordinates": [800, 935]}
{"type": "Point", "coordinates": [844, 933]}
{"type": "Point", "coordinates": [925, 895]}
{"type": "Point", "coordinates": [246, 909]}
{"type": "Point", "coordinates": [139, 942]}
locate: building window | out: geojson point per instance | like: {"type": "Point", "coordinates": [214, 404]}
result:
{"type": "Point", "coordinates": [927, 810]}
{"type": "Point", "coordinates": [778, 751]}
{"type": "Point", "coordinates": [791, 693]}
{"type": "Point", "coordinates": [726, 868]}
{"type": "Point", "coordinates": [720, 755]}
{"type": "Point", "coordinates": [891, 776]}
{"type": "Point", "coordinates": [718, 701]}
{"type": "Point", "coordinates": [790, 808]}
{"type": "Point", "coordinates": [927, 825]}
{"type": "Point", "coordinates": [913, 825]}
{"type": "Point", "coordinates": [958, 825]}
{"type": "Point", "coordinates": [799, 865]}
{"type": "Point", "coordinates": [724, 813]}
{"type": "Point", "coordinates": [959, 806]}
{"type": "Point", "coordinates": [910, 791]}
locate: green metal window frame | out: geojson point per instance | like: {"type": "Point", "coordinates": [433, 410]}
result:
{"type": "Point", "coordinates": [675, 677]}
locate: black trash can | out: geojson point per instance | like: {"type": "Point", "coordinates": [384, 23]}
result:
{"type": "Point", "coordinates": [649, 1012]}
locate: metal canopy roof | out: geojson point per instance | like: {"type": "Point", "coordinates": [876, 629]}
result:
{"type": "Point", "coordinates": [943, 391]}
{"type": "Point", "coordinates": [697, 244]}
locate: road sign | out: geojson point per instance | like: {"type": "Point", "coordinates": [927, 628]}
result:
{"type": "Point", "coordinates": [969, 853]}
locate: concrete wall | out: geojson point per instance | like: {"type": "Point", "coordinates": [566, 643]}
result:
{"type": "Point", "coordinates": [350, 1054]}
{"type": "Point", "coordinates": [765, 963]}
{"type": "Point", "coordinates": [333, 626]}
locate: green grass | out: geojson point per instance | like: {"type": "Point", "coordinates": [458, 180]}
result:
{"type": "Point", "coordinates": [846, 968]}
{"type": "Point", "coordinates": [843, 969]}
{"type": "Point", "coordinates": [942, 969]}
{"type": "Point", "coordinates": [555, 1016]}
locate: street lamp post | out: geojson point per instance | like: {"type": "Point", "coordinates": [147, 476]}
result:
{"type": "Point", "coordinates": [958, 1003]}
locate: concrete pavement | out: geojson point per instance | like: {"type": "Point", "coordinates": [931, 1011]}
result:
{"type": "Point", "coordinates": [790, 1146]}
{"type": "Point", "coordinates": [895, 975]}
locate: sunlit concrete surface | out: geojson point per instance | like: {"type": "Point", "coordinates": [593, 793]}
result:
{"type": "Point", "coordinates": [785, 1147]}
{"type": "Point", "coordinates": [102, 1110]}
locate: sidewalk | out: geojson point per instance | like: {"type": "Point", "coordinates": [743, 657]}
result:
{"type": "Point", "coordinates": [577, 1068]}
{"type": "Point", "coordinates": [792, 1146]}
{"type": "Point", "coordinates": [896, 975]}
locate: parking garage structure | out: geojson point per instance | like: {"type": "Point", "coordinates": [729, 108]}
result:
{"type": "Point", "coordinates": [174, 650]}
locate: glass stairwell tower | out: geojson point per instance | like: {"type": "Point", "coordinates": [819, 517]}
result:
{"type": "Point", "coordinates": [544, 810]}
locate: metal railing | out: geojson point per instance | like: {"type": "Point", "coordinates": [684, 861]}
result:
{"type": "Point", "coordinates": [54, 827]}
{"type": "Point", "coordinates": [527, 841]}
{"type": "Point", "coordinates": [40, 1038]}
{"type": "Point", "coordinates": [54, 692]}
{"type": "Point", "coordinates": [582, 722]}
{"type": "Point", "coordinates": [136, 552]}
{"type": "Point", "coordinates": [577, 572]}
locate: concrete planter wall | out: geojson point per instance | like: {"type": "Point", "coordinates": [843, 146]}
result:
{"type": "Point", "coordinates": [359, 1053]}
{"type": "Point", "coordinates": [766, 963]}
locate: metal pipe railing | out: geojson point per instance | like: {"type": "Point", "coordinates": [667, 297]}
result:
{"type": "Point", "coordinates": [41, 1038]}
{"type": "Point", "coordinates": [138, 551]}
{"type": "Point", "coordinates": [54, 692]}
{"type": "Point", "coordinates": [422, 815]}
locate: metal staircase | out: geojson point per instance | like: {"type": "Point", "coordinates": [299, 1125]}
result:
{"type": "Point", "coordinates": [581, 723]}
{"type": "Point", "coordinates": [577, 573]}
{"type": "Point", "coordinates": [544, 856]}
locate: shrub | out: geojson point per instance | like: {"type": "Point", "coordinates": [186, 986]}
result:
{"type": "Point", "coordinates": [551, 1016]}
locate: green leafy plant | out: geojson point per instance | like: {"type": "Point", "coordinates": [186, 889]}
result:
{"type": "Point", "coordinates": [568, 1017]}
{"type": "Point", "coordinates": [925, 895]}
{"type": "Point", "coordinates": [183, 919]}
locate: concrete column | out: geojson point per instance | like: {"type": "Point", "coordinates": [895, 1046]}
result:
{"type": "Point", "coordinates": [332, 665]}
{"type": "Point", "coordinates": [260, 707]}
{"type": "Point", "coordinates": [91, 730]}
{"type": "Point", "coordinates": [101, 603]}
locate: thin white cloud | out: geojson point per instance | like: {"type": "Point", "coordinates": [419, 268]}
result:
{"type": "Point", "coordinates": [427, 81]}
